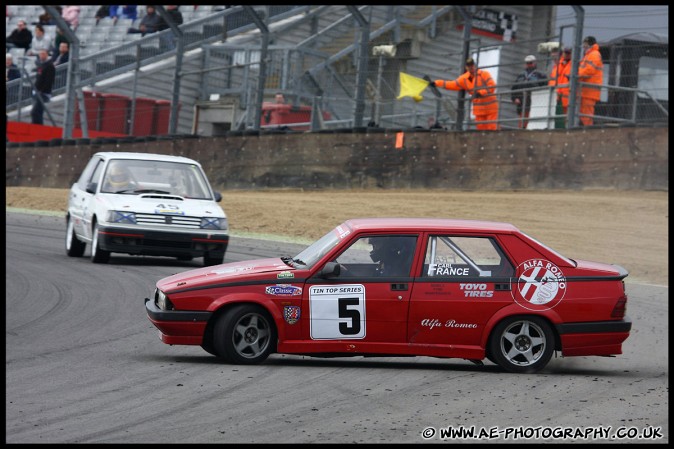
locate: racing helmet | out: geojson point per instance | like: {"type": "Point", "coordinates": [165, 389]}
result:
{"type": "Point", "coordinates": [389, 248]}
{"type": "Point", "coordinates": [118, 177]}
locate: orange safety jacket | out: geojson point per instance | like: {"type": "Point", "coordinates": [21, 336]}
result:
{"type": "Point", "coordinates": [561, 77]}
{"type": "Point", "coordinates": [591, 70]}
{"type": "Point", "coordinates": [483, 84]}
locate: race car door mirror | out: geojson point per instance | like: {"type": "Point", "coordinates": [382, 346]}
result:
{"type": "Point", "coordinates": [91, 187]}
{"type": "Point", "coordinates": [331, 269]}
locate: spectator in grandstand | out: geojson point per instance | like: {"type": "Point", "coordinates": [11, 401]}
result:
{"type": "Point", "coordinates": [12, 72]}
{"type": "Point", "coordinates": [44, 81]}
{"type": "Point", "coordinates": [123, 11]}
{"type": "Point", "coordinates": [591, 74]}
{"type": "Point", "coordinates": [63, 54]}
{"type": "Point", "coordinates": [71, 14]}
{"type": "Point", "coordinates": [561, 76]}
{"type": "Point", "coordinates": [60, 37]}
{"type": "Point", "coordinates": [177, 18]}
{"type": "Point", "coordinates": [46, 18]}
{"type": "Point", "coordinates": [20, 37]}
{"type": "Point", "coordinates": [521, 90]}
{"type": "Point", "coordinates": [479, 84]}
{"type": "Point", "coordinates": [149, 23]}
{"type": "Point", "coordinates": [102, 13]}
{"type": "Point", "coordinates": [40, 42]}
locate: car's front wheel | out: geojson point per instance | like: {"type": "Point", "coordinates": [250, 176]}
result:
{"type": "Point", "coordinates": [97, 254]}
{"type": "Point", "coordinates": [74, 247]}
{"type": "Point", "coordinates": [522, 344]}
{"type": "Point", "coordinates": [246, 335]}
{"type": "Point", "coordinates": [213, 259]}
{"type": "Point", "coordinates": [208, 347]}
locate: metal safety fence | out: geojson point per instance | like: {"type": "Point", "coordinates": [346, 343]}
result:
{"type": "Point", "coordinates": [327, 71]}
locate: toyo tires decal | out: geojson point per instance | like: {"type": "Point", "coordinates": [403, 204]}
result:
{"type": "Point", "coordinates": [540, 285]}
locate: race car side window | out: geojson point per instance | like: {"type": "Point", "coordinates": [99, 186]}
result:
{"type": "Point", "coordinates": [94, 166]}
{"type": "Point", "coordinates": [385, 255]}
{"type": "Point", "coordinates": [460, 257]}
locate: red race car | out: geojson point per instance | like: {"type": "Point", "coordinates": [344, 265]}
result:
{"type": "Point", "coordinates": [402, 287]}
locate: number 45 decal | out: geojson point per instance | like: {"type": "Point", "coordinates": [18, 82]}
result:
{"type": "Point", "coordinates": [337, 312]}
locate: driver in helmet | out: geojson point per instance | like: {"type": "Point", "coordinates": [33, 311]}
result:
{"type": "Point", "coordinates": [118, 179]}
{"type": "Point", "coordinates": [393, 255]}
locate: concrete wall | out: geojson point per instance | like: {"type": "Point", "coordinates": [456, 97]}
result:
{"type": "Point", "coordinates": [634, 158]}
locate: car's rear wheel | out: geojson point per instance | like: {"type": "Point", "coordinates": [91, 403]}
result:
{"type": "Point", "coordinates": [212, 259]}
{"type": "Point", "coordinates": [97, 254]}
{"type": "Point", "coordinates": [74, 247]}
{"type": "Point", "coordinates": [245, 335]}
{"type": "Point", "coordinates": [522, 344]}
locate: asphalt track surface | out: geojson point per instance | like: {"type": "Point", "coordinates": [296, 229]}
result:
{"type": "Point", "coordinates": [85, 365]}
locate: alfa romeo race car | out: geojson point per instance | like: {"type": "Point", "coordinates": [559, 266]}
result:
{"type": "Point", "coordinates": [145, 204]}
{"type": "Point", "coordinates": [402, 287]}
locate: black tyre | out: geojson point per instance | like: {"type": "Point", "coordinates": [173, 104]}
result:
{"type": "Point", "coordinates": [522, 344]}
{"type": "Point", "coordinates": [208, 347]}
{"type": "Point", "coordinates": [213, 259]}
{"type": "Point", "coordinates": [245, 335]}
{"type": "Point", "coordinates": [208, 344]}
{"type": "Point", "coordinates": [97, 254]}
{"type": "Point", "coordinates": [74, 247]}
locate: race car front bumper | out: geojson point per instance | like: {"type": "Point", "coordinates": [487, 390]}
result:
{"type": "Point", "coordinates": [162, 243]}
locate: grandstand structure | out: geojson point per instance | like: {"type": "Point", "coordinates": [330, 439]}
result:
{"type": "Point", "coordinates": [222, 65]}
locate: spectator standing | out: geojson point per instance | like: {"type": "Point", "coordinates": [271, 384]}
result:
{"type": "Point", "coordinates": [521, 91]}
{"type": "Point", "coordinates": [44, 81]}
{"type": "Point", "coordinates": [479, 84]}
{"type": "Point", "coordinates": [149, 23]}
{"type": "Point", "coordinates": [560, 78]}
{"type": "Point", "coordinates": [71, 14]}
{"type": "Point", "coordinates": [12, 72]}
{"type": "Point", "coordinates": [20, 37]}
{"type": "Point", "coordinates": [177, 18]}
{"type": "Point", "coordinates": [40, 42]}
{"type": "Point", "coordinates": [590, 71]}
{"type": "Point", "coordinates": [123, 11]}
{"type": "Point", "coordinates": [62, 56]}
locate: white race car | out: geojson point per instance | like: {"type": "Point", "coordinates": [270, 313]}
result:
{"type": "Point", "coordinates": [145, 204]}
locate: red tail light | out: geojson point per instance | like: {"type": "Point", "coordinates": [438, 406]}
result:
{"type": "Point", "coordinates": [619, 308]}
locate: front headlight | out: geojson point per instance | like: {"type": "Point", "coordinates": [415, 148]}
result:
{"type": "Point", "coordinates": [213, 223]}
{"type": "Point", "coordinates": [116, 216]}
{"type": "Point", "coordinates": [162, 301]}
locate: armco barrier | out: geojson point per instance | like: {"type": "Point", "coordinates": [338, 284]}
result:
{"type": "Point", "coordinates": [633, 158]}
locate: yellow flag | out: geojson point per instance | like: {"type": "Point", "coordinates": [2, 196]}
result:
{"type": "Point", "coordinates": [411, 86]}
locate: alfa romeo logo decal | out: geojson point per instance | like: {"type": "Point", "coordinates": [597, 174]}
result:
{"type": "Point", "coordinates": [540, 285]}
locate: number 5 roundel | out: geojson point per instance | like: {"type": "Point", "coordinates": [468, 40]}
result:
{"type": "Point", "coordinates": [337, 312]}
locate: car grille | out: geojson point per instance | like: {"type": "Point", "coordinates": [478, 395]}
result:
{"type": "Point", "coordinates": [169, 220]}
